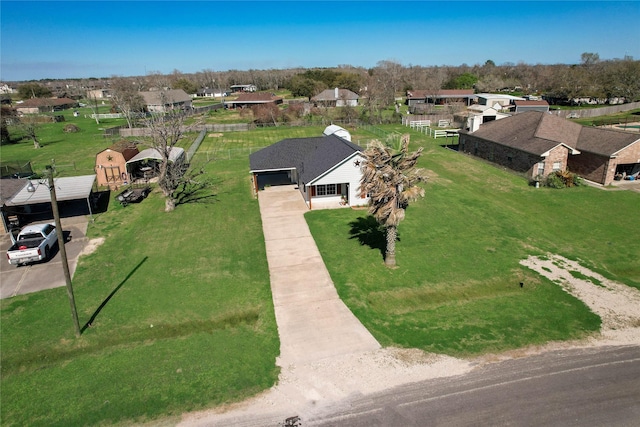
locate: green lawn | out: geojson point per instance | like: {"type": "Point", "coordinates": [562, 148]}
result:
{"type": "Point", "coordinates": [180, 305]}
{"type": "Point", "coordinates": [456, 290]}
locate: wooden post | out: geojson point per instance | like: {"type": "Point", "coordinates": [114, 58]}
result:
{"type": "Point", "coordinates": [63, 251]}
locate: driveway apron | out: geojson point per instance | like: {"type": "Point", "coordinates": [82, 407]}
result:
{"type": "Point", "coordinates": [313, 322]}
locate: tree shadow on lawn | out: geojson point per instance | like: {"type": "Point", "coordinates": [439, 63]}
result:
{"type": "Point", "coordinates": [194, 191]}
{"type": "Point", "coordinates": [370, 233]}
{"type": "Point", "coordinates": [108, 298]}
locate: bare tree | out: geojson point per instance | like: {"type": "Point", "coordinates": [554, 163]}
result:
{"type": "Point", "coordinates": [166, 130]}
{"type": "Point", "coordinates": [93, 104]}
{"type": "Point", "coordinates": [29, 124]}
{"type": "Point", "coordinates": [126, 99]}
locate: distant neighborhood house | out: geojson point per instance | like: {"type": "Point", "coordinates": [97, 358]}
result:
{"type": "Point", "coordinates": [440, 97]}
{"type": "Point", "coordinates": [99, 93]}
{"type": "Point", "coordinates": [336, 98]}
{"type": "Point", "coordinates": [165, 100]}
{"type": "Point", "coordinates": [243, 88]}
{"type": "Point", "coordinates": [526, 105]}
{"type": "Point", "coordinates": [45, 105]}
{"type": "Point", "coordinates": [5, 88]}
{"type": "Point", "coordinates": [211, 93]}
{"type": "Point", "coordinates": [538, 144]}
{"type": "Point", "coordinates": [326, 169]}
{"type": "Point", "coordinates": [251, 99]}
{"type": "Point", "coordinates": [480, 114]}
{"type": "Point", "coordinates": [497, 100]}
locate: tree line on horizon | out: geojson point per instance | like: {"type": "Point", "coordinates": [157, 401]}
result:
{"type": "Point", "coordinates": [591, 78]}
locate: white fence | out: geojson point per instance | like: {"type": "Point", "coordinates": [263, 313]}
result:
{"type": "Point", "coordinates": [424, 126]}
{"type": "Point", "coordinates": [105, 116]}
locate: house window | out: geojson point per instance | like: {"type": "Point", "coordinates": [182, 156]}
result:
{"type": "Point", "coordinates": [541, 168]}
{"type": "Point", "coordinates": [556, 166]}
{"type": "Point", "coordinates": [326, 190]}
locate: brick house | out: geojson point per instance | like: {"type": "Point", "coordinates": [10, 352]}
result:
{"type": "Point", "coordinates": [161, 101]}
{"type": "Point", "coordinates": [538, 144]}
{"type": "Point", "coordinates": [604, 153]}
{"type": "Point", "coordinates": [534, 143]}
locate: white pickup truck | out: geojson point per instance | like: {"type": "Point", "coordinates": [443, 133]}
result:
{"type": "Point", "coordinates": [34, 243]}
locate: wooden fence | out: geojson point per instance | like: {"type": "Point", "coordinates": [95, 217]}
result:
{"type": "Point", "coordinates": [596, 112]}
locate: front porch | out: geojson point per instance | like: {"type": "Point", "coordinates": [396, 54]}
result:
{"type": "Point", "coordinates": [327, 203]}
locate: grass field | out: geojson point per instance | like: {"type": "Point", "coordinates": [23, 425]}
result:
{"type": "Point", "coordinates": [456, 290]}
{"type": "Point", "coordinates": [180, 306]}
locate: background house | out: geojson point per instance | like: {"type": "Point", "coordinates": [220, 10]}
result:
{"type": "Point", "coordinates": [160, 101]}
{"type": "Point", "coordinates": [479, 114]}
{"type": "Point", "coordinates": [243, 88]}
{"type": "Point", "coordinates": [439, 97]}
{"type": "Point", "coordinates": [531, 105]}
{"type": "Point", "coordinates": [605, 153]}
{"type": "Point", "coordinates": [534, 143]}
{"type": "Point", "coordinates": [111, 164]}
{"type": "Point", "coordinates": [250, 99]}
{"type": "Point", "coordinates": [497, 100]}
{"type": "Point", "coordinates": [326, 169]}
{"type": "Point", "coordinates": [540, 143]}
{"type": "Point", "coordinates": [99, 93]}
{"type": "Point", "coordinates": [336, 98]}
{"type": "Point", "coordinates": [211, 93]}
{"type": "Point", "coordinates": [45, 105]}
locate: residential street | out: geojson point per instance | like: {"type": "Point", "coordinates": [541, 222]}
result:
{"type": "Point", "coordinates": [585, 387]}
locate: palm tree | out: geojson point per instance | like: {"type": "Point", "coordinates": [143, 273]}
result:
{"type": "Point", "coordinates": [390, 179]}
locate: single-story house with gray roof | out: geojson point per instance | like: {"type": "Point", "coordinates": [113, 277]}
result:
{"type": "Point", "coordinates": [160, 101]}
{"type": "Point", "coordinates": [325, 169]}
{"type": "Point", "coordinates": [336, 98]}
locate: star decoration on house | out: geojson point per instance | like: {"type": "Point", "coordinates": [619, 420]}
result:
{"type": "Point", "coordinates": [109, 158]}
{"type": "Point", "coordinates": [356, 163]}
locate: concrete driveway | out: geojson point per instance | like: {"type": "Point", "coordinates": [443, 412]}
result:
{"type": "Point", "coordinates": [313, 322]}
{"type": "Point", "coordinates": [45, 275]}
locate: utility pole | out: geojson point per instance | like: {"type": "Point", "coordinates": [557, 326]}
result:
{"type": "Point", "coordinates": [63, 250]}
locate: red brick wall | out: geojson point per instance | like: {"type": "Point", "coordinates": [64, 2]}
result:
{"type": "Point", "coordinates": [512, 158]}
{"type": "Point", "coordinates": [589, 166]}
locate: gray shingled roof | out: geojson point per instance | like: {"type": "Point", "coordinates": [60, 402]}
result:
{"type": "Point", "coordinates": [534, 132]}
{"type": "Point", "coordinates": [165, 97]}
{"type": "Point", "coordinates": [537, 132]}
{"type": "Point", "coordinates": [311, 157]}
{"type": "Point", "coordinates": [330, 95]}
{"type": "Point", "coordinates": [605, 141]}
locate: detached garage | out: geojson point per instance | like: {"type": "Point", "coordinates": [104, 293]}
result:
{"type": "Point", "coordinates": [32, 202]}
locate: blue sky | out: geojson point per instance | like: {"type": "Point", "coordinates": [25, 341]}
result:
{"type": "Point", "coordinates": [80, 39]}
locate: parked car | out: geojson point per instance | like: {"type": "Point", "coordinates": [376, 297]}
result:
{"type": "Point", "coordinates": [34, 243]}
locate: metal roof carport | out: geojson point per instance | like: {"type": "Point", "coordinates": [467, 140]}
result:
{"type": "Point", "coordinates": [67, 188]}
